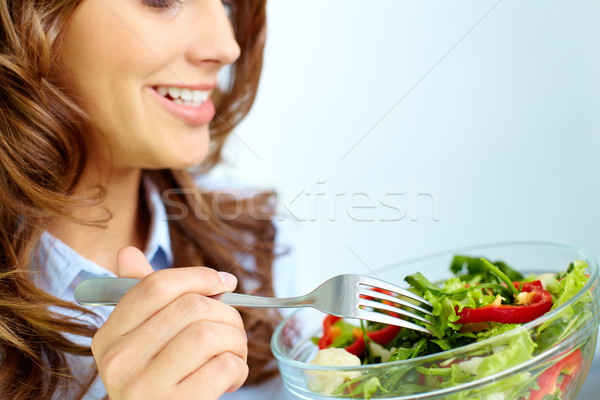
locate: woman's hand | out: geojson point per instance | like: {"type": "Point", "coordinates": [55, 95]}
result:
{"type": "Point", "coordinates": [166, 340]}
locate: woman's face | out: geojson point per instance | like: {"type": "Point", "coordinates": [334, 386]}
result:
{"type": "Point", "coordinates": [144, 71]}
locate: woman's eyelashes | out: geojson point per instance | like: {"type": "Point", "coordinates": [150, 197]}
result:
{"type": "Point", "coordinates": [162, 4]}
{"type": "Point", "coordinates": [168, 4]}
{"type": "Point", "coordinates": [228, 7]}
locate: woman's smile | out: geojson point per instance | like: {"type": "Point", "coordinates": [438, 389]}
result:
{"type": "Point", "coordinates": [192, 104]}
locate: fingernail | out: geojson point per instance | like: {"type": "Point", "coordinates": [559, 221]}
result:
{"type": "Point", "coordinates": [227, 279]}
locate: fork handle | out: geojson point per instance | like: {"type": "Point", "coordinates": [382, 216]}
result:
{"type": "Point", "coordinates": [246, 300]}
{"type": "Point", "coordinates": [103, 291]}
{"type": "Point", "coordinates": [108, 292]}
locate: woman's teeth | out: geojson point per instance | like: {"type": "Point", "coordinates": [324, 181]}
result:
{"type": "Point", "coordinates": [186, 97]}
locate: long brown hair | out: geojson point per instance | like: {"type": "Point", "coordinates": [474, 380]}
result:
{"type": "Point", "coordinates": [42, 156]}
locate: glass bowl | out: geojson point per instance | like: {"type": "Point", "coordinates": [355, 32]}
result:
{"type": "Point", "coordinates": [577, 320]}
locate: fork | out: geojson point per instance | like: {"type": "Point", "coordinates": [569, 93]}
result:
{"type": "Point", "coordinates": [348, 295]}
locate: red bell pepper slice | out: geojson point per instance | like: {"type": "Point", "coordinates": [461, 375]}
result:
{"type": "Point", "coordinates": [382, 336]}
{"type": "Point", "coordinates": [327, 338]}
{"type": "Point", "coordinates": [529, 286]}
{"type": "Point", "coordinates": [540, 304]}
{"type": "Point", "coordinates": [548, 379]}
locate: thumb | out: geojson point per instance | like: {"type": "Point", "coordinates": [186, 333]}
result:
{"type": "Point", "coordinates": [131, 263]}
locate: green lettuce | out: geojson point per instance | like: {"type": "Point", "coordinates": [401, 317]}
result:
{"type": "Point", "coordinates": [565, 288]}
{"type": "Point", "coordinates": [518, 350]}
{"type": "Point", "coordinates": [562, 288]}
{"type": "Point", "coordinates": [495, 329]}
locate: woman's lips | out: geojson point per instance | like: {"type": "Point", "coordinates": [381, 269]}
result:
{"type": "Point", "coordinates": [193, 113]}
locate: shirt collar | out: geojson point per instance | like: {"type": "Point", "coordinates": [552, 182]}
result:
{"type": "Point", "coordinates": [58, 267]}
{"type": "Point", "coordinates": [159, 238]}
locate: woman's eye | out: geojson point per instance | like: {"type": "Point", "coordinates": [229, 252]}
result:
{"type": "Point", "coordinates": [161, 4]}
{"type": "Point", "coordinates": [227, 6]}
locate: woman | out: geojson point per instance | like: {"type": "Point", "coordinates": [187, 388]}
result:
{"type": "Point", "coordinates": [104, 106]}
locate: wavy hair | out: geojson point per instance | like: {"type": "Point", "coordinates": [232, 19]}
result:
{"type": "Point", "coordinates": [42, 156]}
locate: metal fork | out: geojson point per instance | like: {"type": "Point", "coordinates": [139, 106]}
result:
{"type": "Point", "coordinates": [348, 295]}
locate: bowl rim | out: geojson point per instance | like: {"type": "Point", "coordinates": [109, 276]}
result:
{"type": "Point", "coordinates": [593, 272]}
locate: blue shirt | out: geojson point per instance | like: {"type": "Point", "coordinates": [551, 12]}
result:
{"type": "Point", "coordinates": [61, 269]}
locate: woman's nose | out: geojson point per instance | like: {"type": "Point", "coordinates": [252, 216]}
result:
{"type": "Point", "coordinates": [213, 40]}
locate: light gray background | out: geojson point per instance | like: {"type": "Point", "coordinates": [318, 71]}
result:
{"type": "Point", "coordinates": [477, 120]}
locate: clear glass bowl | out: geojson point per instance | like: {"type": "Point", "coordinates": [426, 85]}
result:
{"type": "Point", "coordinates": [292, 346]}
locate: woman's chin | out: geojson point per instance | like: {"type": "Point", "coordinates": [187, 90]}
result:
{"type": "Point", "coordinates": [188, 154]}
{"type": "Point", "coordinates": [183, 161]}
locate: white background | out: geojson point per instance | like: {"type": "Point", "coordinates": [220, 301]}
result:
{"type": "Point", "coordinates": [477, 120]}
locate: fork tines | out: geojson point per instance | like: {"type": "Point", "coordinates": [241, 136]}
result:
{"type": "Point", "coordinates": [392, 299]}
{"type": "Point", "coordinates": [375, 305]}
{"type": "Point", "coordinates": [377, 283]}
{"type": "Point", "coordinates": [365, 292]}
{"type": "Point", "coordinates": [390, 320]}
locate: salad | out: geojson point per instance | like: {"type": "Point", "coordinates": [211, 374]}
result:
{"type": "Point", "coordinates": [482, 301]}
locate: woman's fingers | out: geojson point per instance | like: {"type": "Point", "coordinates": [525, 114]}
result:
{"type": "Point", "coordinates": [223, 373]}
{"type": "Point", "coordinates": [131, 263]}
{"type": "Point", "coordinates": [165, 335]}
{"type": "Point", "coordinates": [193, 347]}
{"type": "Point", "coordinates": [150, 337]}
{"type": "Point", "coordinates": [162, 287]}
{"type": "Point", "coordinates": [189, 353]}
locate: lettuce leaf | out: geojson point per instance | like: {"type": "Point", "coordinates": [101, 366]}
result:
{"type": "Point", "coordinates": [562, 288]}
{"type": "Point", "coordinates": [446, 302]}
{"type": "Point", "coordinates": [475, 267]}
{"type": "Point", "coordinates": [569, 285]}
{"type": "Point", "coordinates": [518, 350]}
{"type": "Point", "coordinates": [495, 329]}
{"type": "Point", "coordinates": [347, 334]}
{"type": "Point", "coordinates": [371, 387]}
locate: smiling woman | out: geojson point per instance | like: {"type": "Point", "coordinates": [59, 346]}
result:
{"type": "Point", "coordinates": [104, 105]}
{"type": "Point", "coordinates": [140, 51]}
